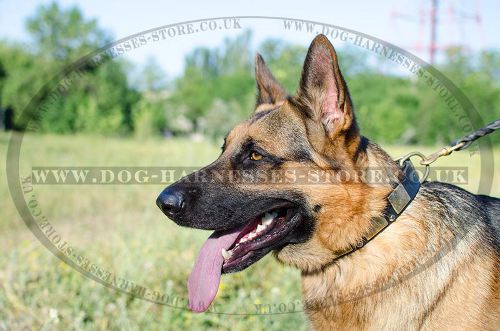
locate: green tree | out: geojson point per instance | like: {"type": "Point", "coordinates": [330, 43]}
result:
{"type": "Point", "coordinates": [99, 101]}
{"type": "Point", "coordinates": [149, 114]}
{"type": "Point", "coordinates": [64, 34]}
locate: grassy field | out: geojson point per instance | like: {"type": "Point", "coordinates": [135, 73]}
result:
{"type": "Point", "coordinates": [120, 228]}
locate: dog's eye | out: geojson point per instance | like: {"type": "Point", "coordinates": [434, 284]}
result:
{"type": "Point", "coordinates": [255, 156]}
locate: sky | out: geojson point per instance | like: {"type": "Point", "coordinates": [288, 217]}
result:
{"type": "Point", "coordinates": [473, 24]}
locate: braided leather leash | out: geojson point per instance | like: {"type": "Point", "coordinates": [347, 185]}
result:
{"type": "Point", "coordinates": [457, 145]}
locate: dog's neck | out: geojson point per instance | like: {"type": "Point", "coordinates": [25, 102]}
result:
{"type": "Point", "coordinates": [365, 224]}
{"type": "Point", "coordinates": [337, 291]}
{"type": "Point", "coordinates": [399, 198]}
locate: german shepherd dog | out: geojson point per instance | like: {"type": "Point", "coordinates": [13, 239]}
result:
{"type": "Point", "coordinates": [435, 268]}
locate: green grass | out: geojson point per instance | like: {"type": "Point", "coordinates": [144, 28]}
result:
{"type": "Point", "coordinates": [121, 229]}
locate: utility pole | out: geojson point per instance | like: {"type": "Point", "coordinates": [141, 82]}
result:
{"type": "Point", "coordinates": [461, 15]}
{"type": "Point", "coordinates": [434, 22]}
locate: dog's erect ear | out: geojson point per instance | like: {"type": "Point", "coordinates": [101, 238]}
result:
{"type": "Point", "coordinates": [268, 89]}
{"type": "Point", "coordinates": [323, 91]}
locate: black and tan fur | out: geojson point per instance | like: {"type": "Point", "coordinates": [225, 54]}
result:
{"type": "Point", "coordinates": [435, 268]}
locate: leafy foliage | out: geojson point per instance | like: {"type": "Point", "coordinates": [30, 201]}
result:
{"type": "Point", "coordinates": [217, 89]}
{"type": "Point", "coordinates": [65, 35]}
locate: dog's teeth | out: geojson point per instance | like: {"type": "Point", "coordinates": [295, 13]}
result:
{"type": "Point", "coordinates": [267, 222]}
{"type": "Point", "coordinates": [252, 235]}
{"type": "Point", "coordinates": [225, 254]}
{"type": "Point", "coordinates": [260, 228]}
{"type": "Point", "coordinates": [267, 218]}
{"type": "Point", "coordinates": [244, 239]}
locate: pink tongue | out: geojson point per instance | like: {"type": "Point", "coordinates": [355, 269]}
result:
{"type": "Point", "coordinates": [204, 280]}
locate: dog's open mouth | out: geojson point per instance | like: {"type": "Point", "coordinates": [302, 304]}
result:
{"type": "Point", "coordinates": [236, 249]}
{"type": "Point", "coordinates": [258, 238]}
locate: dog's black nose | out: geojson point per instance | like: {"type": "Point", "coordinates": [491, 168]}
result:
{"type": "Point", "coordinates": [171, 201]}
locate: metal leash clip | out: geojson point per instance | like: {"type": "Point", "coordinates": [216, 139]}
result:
{"type": "Point", "coordinates": [457, 145]}
{"type": "Point", "coordinates": [402, 160]}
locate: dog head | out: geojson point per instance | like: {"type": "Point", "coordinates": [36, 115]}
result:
{"type": "Point", "coordinates": [253, 195]}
